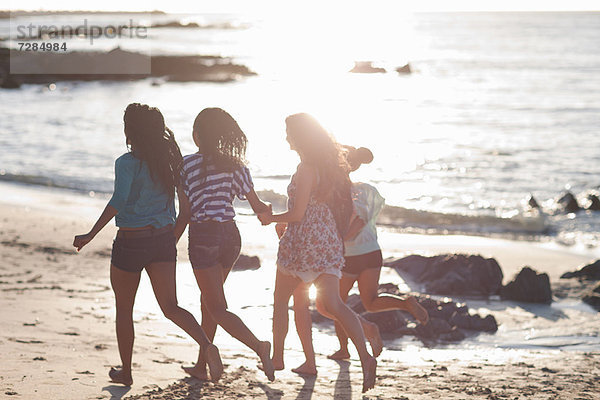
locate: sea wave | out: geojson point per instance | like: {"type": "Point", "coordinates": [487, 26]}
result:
{"type": "Point", "coordinates": [520, 223]}
{"type": "Point", "coordinates": [532, 223]}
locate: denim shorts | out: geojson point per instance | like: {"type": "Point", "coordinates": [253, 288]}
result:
{"type": "Point", "coordinates": [212, 243]}
{"type": "Point", "coordinates": [355, 265]}
{"type": "Point", "coordinates": [133, 254]}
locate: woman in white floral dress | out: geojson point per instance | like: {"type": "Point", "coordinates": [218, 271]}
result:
{"type": "Point", "coordinates": [311, 249]}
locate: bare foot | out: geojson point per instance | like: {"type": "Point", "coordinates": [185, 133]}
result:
{"type": "Point", "coordinates": [118, 376]}
{"type": "Point", "coordinates": [197, 371]}
{"type": "Point", "coordinates": [264, 353]}
{"type": "Point", "coordinates": [374, 338]}
{"type": "Point", "coordinates": [369, 374]}
{"type": "Point", "coordinates": [277, 366]}
{"type": "Point", "coordinates": [417, 310]}
{"type": "Point", "coordinates": [305, 369]}
{"type": "Point", "coordinates": [341, 354]}
{"type": "Point", "coordinates": [213, 359]}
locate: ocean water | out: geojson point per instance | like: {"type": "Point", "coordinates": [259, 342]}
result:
{"type": "Point", "coordinates": [499, 106]}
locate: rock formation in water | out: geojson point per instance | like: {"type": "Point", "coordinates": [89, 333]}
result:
{"type": "Point", "coordinates": [452, 274]}
{"type": "Point", "coordinates": [528, 286]}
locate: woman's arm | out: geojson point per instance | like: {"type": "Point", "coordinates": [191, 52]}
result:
{"type": "Point", "coordinates": [258, 206]}
{"type": "Point", "coordinates": [124, 172]}
{"type": "Point", "coordinates": [305, 179]}
{"type": "Point", "coordinates": [185, 213]}
{"type": "Point", "coordinates": [355, 227]}
{"type": "Point", "coordinates": [81, 240]}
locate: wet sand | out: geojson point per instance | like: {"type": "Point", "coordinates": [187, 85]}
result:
{"type": "Point", "coordinates": [58, 341]}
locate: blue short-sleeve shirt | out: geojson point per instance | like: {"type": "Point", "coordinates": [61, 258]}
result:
{"type": "Point", "coordinates": [139, 200]}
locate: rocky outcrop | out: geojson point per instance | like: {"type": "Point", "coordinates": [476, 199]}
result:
{"type": "Point", "coordinates": [366, 67]}
{"type": "Point", "coordinates": [245, 263]}
{"type": "Point", "coordinates": [532, 202]}
{"type": "Point", "coordinates": [567, 203]}
{"type": "Point", "coordinates": [115, 65]}
{"type": "Point", "coordinates": [528, 286]}
{"type": "Point", "coordinates": [452, 274]}
{"type": "Point", "coordinates": [448, 321]}
{"type": "Point", "coordinates": [588, 272]}
{"type": "Point", "coordinates": [405, 69]}
{"type": "Point", "coordinates": [593, 297]}
{"type": "Point", "coordinates": [593, 202]}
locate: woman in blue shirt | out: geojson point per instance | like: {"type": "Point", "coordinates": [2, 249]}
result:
{"type": "Point", "coordinates": [143, 204]}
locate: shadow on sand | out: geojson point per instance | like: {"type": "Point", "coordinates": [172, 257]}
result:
{"type": "Point", "coordinates": [116, 391]}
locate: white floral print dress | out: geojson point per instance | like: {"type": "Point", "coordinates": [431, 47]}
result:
{"type": "Point", "coordinates": [311, 246]}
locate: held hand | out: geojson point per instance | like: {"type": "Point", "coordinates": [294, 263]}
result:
{"type": "Point", "coordinates": [81, 240]}
{"type": "Point", "coordinates": [265, 218]}
{"type": "Point", "coordinates": [280, 228]}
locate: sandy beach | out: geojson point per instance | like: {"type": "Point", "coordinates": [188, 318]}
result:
{"type": "Point", "coordinates": [58, 337]}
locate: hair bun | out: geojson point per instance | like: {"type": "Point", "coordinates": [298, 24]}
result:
{"type": "Point", "coordinates": [357, 156]}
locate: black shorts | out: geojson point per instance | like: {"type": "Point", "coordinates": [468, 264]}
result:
{"type": "Point", "coordinates": [212, 243]}
{"type": "Point", "coordinates": [132, 253]}
{"type": "Point", "coordinates": [354, 265]}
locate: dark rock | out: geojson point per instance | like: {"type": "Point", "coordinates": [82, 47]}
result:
{"type": "Point", "coordinates": [452, 274]}
{"type": "Point", "coordinates": [405, 69]}
{"type": "Point", "coordinates": [366, 67]}
{"type": "Point", "coordinates": [433, 329]}
{"type": "Point", "coordinates": [245, 263]}
{"type": "Point", "coordinates": [593, 203]}
{"type": "Point", "coordinates": [567, 203]}
{"type": "Point", "coordinates": [387, 321]}
{"type": "Point", "coordinates": [428, 303]}
{"type": "Point", "coordinates": [532, 202]}
{"type": "Point", "coordinates": [10, 82]}
{"type": "Point", "coordinates": [528, 286]}
{"type": "Point", "coordinates": [487, 324]}
{"type": "Point", "coordinates": [455, 335]}
{"type": "Point", "coordinates": [461, 320]}
{"type": "Point", "coordinates": [589, 272]}
{"type": "Point", "coordinates": [389, 288]}
{"type": "Point", "coordinates": [444, 310]}
{"type": "Point", "coordinates": [593, 297]}
{"type": "Point", "coordinates": [176, 24]}
{"type": "Point", "coordinates": [355, 303]}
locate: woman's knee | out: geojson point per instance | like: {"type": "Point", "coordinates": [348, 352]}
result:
{"type": "Point", "coordinates": [170, 310]}
{"type": "Point", "coordinates": [330, 305]}
{"type": "Point", "coordinates": [217, 311]}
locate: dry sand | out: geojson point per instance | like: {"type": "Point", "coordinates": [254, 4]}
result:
{"type": "Point", "coordinates": [57, 339]}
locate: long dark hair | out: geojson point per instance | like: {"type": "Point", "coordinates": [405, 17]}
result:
{"type": "Point", "coordinates": [220, 139]}
{"type": "Point", "coordinates": [151, 141]}
{"type": "Point", "coordinates": [318, 148]}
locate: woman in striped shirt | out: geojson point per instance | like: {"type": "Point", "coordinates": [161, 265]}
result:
{"type": "Point", "coordinates": [211, 179]}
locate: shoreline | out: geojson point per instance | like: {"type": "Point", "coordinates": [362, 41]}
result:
{"type": "Point", "coordinates": [59, 334]}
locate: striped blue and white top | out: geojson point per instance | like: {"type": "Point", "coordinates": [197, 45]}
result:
{"type": "Point", "coordinates": [210, 192]}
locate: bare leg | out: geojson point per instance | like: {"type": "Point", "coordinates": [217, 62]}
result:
{"type": "Point", "coordinates": [346, 284]}
{"type": "Point", "coordinates": [284, 287]}
{"type": "Point", "coordinates": [368, 284]}
{"type": "Point", "coordinates": [124, 285]}
{"type": "Point", "coordinates": [162, 277]}
{"type": "Point", "coordinates": [370, 329]}
{"type": "Point", "coordinates": [328, 291]}
{"type": "Point", "coordinates": [304, 329]}
{"type": "Point", "coordinates": [209, 326]}
{"type": "Point", "coordinates": [210, 281]}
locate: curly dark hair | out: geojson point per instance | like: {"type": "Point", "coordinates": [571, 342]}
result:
{"type": "Point", "coordinates": [220, 139]}
{"type": "Point", "coordinates": [151, 141]}
{"type": "Point", "coordinates": [318, 148]}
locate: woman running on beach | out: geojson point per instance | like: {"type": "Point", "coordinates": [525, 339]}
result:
{"type": "Point", "coordinates": [311, 249]}
{"type": "Point", "coordinates": [211, 179]}
{"type": "Point", "coordinates": [363, 262]}
{"type": "Point", "coordinates": [143, 204]}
